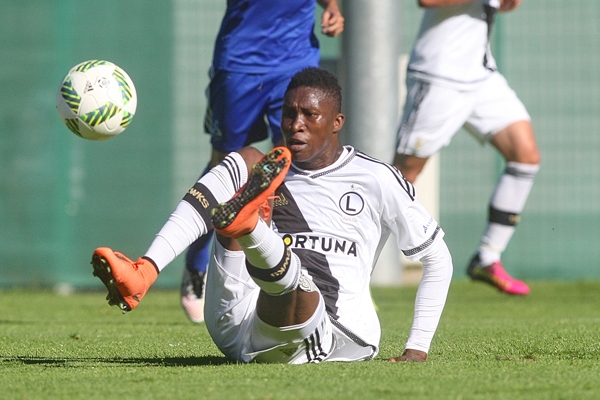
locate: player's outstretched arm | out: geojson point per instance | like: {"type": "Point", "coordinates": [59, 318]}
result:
{"type": "Point", "coordinates": [410, 355]}
{"type": "Point", "coordinates": [332, 20]}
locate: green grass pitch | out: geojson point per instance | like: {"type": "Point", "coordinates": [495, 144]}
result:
{"type": "Point", "coordinates": [488, 346]}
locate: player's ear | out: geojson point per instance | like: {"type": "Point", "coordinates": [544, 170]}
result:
{"type": "Point", "coordinates": [338, 122]}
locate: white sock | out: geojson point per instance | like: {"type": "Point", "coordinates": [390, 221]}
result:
{"type": "Point", "coordinates": [263, 247]}
{"type": "Point", "coordinates": [514, 186]}
{"type": "Point", "coordinates": [183, 227]}
{"type": "Point", "coordinates": [271, 264]}
{"type": "Point", "coordinates": [509, 199]}
{"type": "Point", "coordinates": [493, 242]}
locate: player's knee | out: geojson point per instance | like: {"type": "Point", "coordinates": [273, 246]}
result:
{"type": "Point", "coordinates": [517, 143]}
{"type": "Point", "coordinates": [531, 157]}
{"type": "Point", "coordinates": [534, 157]}
{"type": "Point", "coordinates": [526, 153]}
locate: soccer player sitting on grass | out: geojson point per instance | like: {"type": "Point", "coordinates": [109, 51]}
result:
{"type": "Point", "coordinates": [299, 231]}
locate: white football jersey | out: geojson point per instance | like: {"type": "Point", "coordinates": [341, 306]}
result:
{"type": "Point", "coordinates": [337, 220]}
{"type": "Point", "coordinates": [452, 47]}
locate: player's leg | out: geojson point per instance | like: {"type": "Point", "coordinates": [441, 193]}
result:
{"type": "Point", "coordinates": [311, 340]}
{"type": "Point", "coordinates": [237, 330]}
{"type": "Point", "coordinates": [128, 281]}
{"type": "Point", "coordinates": [517, 143]}
{"type": "Point", "coordinates": [234, 119]}
{"type": "Point", "coordinates": [231, 297]}
{"type": "Point", "coordinates": [289, 307]}
{"type": "Point", "coordinates": [276, 270]}
{"type": "Point", "coordinates": [515, 140]}
{"type": "Point", "coordinates": [432, 115]}
{"type": "Point", "coordinates": [196, 264]}
{"type": "Point", "coordinates": [193, 279]}
{"type": "Point", "coordinates": [194, 271]}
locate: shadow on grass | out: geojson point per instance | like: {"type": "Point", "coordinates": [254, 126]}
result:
{"type": "Point", "coordinates": [162, 361]}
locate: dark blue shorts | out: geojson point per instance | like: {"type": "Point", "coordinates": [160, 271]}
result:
{"type": "Point", "coordinates": [244, 108]}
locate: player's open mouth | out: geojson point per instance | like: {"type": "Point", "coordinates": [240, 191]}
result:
{"type": "Point", "coordinates": [295, 145]}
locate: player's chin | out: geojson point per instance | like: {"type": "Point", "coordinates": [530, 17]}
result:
{"type": "Point", "coordinates": [298, 150]}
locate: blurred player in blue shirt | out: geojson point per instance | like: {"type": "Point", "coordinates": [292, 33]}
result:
{"type": "Point", "coordinates": [261, 44]}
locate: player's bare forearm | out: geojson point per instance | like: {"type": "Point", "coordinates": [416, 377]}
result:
{"type": "Point", "coordinates": [332, 20]}
{"type": "Point", "coordinates": [410, 355]}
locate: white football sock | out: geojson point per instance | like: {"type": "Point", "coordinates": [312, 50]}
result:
{"type": "Point", "coordinates": [508, 200]}
{"type": "Point", "coordinates": [269, 258]}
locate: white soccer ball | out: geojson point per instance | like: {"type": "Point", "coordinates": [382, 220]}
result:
{"type": "Point", "coordinates": [96, 100]}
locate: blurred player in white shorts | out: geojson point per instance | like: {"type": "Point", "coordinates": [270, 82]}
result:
{"type": "Point", "coordinates": [452, 81]}
{"type": "Point", "coordinates": [441, 111]}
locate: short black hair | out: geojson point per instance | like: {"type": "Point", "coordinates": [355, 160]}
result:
{"type": "Point", "coordinates": [321, 79]}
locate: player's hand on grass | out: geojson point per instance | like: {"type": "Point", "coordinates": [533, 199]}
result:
{"type": "Point", "coordinates": [410, 355]}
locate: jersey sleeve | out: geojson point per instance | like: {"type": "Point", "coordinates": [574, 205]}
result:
{"type": "Point", "coordinates": [408, 220]}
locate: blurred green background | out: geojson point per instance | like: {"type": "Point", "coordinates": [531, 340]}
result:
{"type": "Point", "coordinates": [62, 196]}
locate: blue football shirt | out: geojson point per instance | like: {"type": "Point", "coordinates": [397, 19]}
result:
{"type": "Point", "coordinates": [261, 36]}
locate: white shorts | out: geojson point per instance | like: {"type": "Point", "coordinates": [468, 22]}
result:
{"type": "Point", "coordinates": [434, 113]}
{"type": "Point", "coordinates": [232, 322]}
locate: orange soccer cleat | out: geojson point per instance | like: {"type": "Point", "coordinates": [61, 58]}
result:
{"type": "Point", "coordinates": [127, 281]}
{"type": "Point", "coordinates": [239, 215]}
